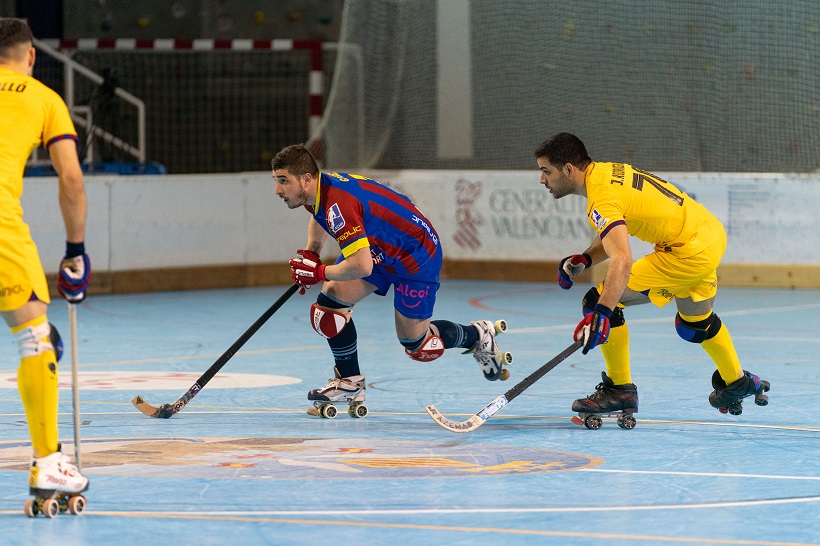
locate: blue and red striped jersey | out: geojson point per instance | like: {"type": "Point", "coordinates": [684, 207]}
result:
{"type": "Point", "coordinates": [359, 212]}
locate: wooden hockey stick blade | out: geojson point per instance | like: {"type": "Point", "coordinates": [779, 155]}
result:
{"type": "Point", "coordinates": [163, 412]}
{"type": "Point", "coordinates": [496, 405]}
{"type": "Point", "coordinates": [167, 410]}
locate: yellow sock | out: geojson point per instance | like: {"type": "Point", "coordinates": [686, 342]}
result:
{"type": "Point", "coordinates": [37, 383]}
{"type": "Point", "coordinates": [723, 352]}
{"type": "Point", "coordinates": [721, 349]}
{"type": "Point", "coordinates": [616, 355]}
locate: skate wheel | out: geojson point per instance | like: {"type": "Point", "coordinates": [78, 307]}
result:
{"type": "Point", "coordinates": [329, 411]}
{"type": "Point", "coordinates": [593, 422]}
{"type": "Point", "coordinates": [761, 400]}
{"type": "Point", "coordinates": [735, 409]}
{"type": "Point", "coordinates": [76, 505]}
{"type": "Point", "coordinates": [357, 410]}
{"type": "Point", "coordinates": [507, 358]}
{"type": "Point", "coordinates": [50, 508]}
{"type": "Point", "coordinates": [30, 508]}
{"type": "Point", "coordinates": [505, 374]}
{"type": "Point", "coordinates": [627, 422]}
{"type": "Point", "coordinates": [500, 326]}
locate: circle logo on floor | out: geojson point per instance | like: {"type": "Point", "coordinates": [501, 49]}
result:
{"type": "Point", "coordinates": [304, 458]}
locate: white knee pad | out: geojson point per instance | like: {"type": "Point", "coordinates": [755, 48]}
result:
{"type": "Point", "coordinates": [34, 340]}
{"type": "Point", "coordinates": [329, 323]}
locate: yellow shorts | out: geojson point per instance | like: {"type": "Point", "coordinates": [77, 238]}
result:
{"type": "Point", "coordinates": [21, 272]}
{"type": "Point", "coordinates": [667, 276]}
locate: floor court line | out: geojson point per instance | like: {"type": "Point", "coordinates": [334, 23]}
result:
{"type": "Point", "coordinates": [218, 516]}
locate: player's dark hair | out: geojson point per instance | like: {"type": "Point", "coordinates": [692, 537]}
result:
{"type": "Point", "coordinates": [14, 33]}
{"type": "Point", "coordinates": [295, 159]}
{"type": "Point", "coordinates": [564, 148]}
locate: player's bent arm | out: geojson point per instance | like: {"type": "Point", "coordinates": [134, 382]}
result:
{"type": "Point", "coordinates": [596, 251]}
{"type": "Point", "coordinates": [616, 245]}
{"type": "Point", "coordinates": [316, 236]}
{"type": "Point", "coordinates": [73, 205]}
{"type": "Point", "coordinates": [356, 266]}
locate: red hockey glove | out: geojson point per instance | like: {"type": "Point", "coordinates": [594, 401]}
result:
{"type": "Point", "coordinates": [307, 269]}
{"type": "Point", "coordinates": [594, 327]}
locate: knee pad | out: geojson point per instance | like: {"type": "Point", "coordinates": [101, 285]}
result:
{"type": "Point", "coordinates": [430, 349]}
{"type": "Point", "coordinates": [33, 340]}
{"type": "Point", "coordinates": [591, 300]}
{"type": "Point", "coordinates": [328, 323]}
{"type": "Point", "coordinates": [698, 332]}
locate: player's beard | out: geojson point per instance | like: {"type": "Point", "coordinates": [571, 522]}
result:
{"type": "Point", "coordinates": [301, 200]}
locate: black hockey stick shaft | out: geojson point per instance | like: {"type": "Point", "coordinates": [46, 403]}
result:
{"type": "Point", "coordinates": [166, 410]}
{"type": "Point", "coordinates": [527, 382]}
{"type": "Point", "coordinates": [227, 355]}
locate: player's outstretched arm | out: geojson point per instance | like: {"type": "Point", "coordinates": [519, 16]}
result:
{"type": "Point", "coordinates": [75, 267]}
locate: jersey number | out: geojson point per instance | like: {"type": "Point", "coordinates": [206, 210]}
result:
{"type": "Point", "coordinates": [639, 177]}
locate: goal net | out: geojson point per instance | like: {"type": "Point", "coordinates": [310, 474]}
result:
{"type": "Point", "coordinates": [668, 86]}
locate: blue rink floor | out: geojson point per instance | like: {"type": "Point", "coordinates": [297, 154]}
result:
{"type": "Point", "coordinates": [245, 464]}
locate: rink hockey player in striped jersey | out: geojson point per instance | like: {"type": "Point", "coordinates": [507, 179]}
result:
{"type": "Point", "coordinates": [385, 241]}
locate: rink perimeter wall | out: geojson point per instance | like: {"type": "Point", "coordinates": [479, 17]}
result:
{"type": "Point", "coordinates": [158, 233]}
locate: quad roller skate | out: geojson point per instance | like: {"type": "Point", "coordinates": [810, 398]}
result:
{"type": "Point", "coordinates": [608, 400]}
{"type": "Point", "coordinates": [729, 398]}
{"type": "Point", "coordinates": [351, 390]}
{"type": "Point", "coordinates": [56, 485]}
{"type": "Point", "coordinates": [490, 359]}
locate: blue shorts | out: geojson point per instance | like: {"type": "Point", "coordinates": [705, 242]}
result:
{"type": "Point", "coordinates": [414, 296]}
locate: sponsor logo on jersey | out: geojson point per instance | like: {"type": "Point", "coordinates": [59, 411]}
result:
{"type": "Point", "coordinates": [349, 233]}
{"type": "Point", "coordinates": [6, 291]}
{"type": "Point", "coordinates": [335, 220]}
{"type": "Point", "coordinates": [599, 221]}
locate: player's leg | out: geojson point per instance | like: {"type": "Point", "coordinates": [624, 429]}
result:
{"type": "Point", "coordinates": [696, 322]}
{"type": "Point", "coordinates": [616, 391]}
{"type": "Point", "coordinates": [40, 348]}
{"type": "Point", "coordinates": [331, 317]}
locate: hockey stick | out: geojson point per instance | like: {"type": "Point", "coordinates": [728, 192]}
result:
{"type": "Point", "coordinates": [493, 407]}
{"type": "Point", "coordinates": [167, 410]}
{"type": "Point", "coordinates": [75, 382]}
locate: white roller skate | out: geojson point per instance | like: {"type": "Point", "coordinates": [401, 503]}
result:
{"type": "Point", "coordinates": [56, 484]}
{"type": "Point", "coordinates": [486, 352]}
{"type": "Point", "coordinates": [351, 390]}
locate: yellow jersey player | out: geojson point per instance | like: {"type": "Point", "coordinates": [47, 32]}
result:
{"type": "Point", "coordinates": [689, 243]}
{"type": "Point", "coordinates": [32, 114]}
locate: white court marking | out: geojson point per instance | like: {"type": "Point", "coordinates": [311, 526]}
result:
{"type": "Point", "coordinates": [120, 381]}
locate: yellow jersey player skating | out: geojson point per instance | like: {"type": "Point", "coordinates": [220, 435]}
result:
{"type": "Point", "coordinates": [689, 243]}
{"type": "Point", "coordinates": [32, 114]}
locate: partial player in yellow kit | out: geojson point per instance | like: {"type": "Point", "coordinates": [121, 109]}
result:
{"type": "Point", "coordinates": [689, 244]}
{"type": "Point", "coordinates": [31, 114]}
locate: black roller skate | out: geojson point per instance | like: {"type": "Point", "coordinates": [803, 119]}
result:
{"type": "Point", "coordinates": [729, 398]}
{"type": "Point", "coordinates": [608, 400]}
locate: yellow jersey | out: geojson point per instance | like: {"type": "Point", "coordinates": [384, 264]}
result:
{"type": "Point", "coordinates": [652, 209]}
{"type": "Point", "coordinates": [30, 114]}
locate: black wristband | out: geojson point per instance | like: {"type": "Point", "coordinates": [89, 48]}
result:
{"type": "Point", "coordinates": [74, 249]}
{"type": "Point", "coordinates": [588, 258]}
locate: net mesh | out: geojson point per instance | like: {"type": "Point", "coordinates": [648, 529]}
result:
{"type": "Point", "coordinates": [207, 111]}
{"type": "Point", "coordinates": [677, 86]}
